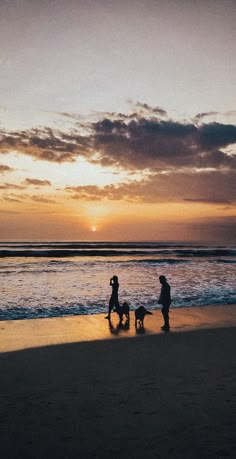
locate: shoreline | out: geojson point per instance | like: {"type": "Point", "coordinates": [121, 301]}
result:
{"type": "Point", "coordinates": [30, 333]}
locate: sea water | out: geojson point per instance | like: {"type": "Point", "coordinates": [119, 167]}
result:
{"type": "Point", "coordinates": [55, 279]}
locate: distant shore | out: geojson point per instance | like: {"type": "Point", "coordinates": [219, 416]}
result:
{"type": "Point", "coordinates": [160, 395]}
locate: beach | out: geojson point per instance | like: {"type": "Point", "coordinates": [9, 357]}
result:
{"type": "Point", "coordinates": [76, 388]}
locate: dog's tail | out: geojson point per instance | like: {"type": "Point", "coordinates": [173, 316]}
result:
{"type": "Point", "coordinates": [148, 312]}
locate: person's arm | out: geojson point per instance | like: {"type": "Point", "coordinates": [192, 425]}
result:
{"type": "Point", "coordinates": [160, 297]}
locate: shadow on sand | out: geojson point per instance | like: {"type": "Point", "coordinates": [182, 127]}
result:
{"type": "Point", "coordinates": [87, 399]}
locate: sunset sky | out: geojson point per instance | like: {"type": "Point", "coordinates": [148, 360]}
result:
{"type": "Point", "coordinates": [118, 120]}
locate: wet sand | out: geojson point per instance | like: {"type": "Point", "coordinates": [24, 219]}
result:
{"type": "Point", "coordinates": [24, 334]}
{"type": "Point", "coordinates": [71, 388]}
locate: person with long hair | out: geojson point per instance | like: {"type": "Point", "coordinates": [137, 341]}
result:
{"type": "Point", "coordinates": [114, 301]}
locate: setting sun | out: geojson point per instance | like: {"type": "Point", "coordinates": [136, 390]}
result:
{"type": "Point", "coordinates": [104, 147]}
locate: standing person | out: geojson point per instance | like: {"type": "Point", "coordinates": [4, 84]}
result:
{"type": "Point", "coordinates": [114, 295]}
{"type": "Point", "coordinates": [165, 301]}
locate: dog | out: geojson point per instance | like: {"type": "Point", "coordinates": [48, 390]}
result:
{"type": "Point", "coordinates": [140, 313]}
{"type": "Point", "coordinates": [122, 310]}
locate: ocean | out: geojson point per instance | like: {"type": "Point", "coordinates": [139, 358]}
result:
{"type": "Point", "coordinates": [53, 279]}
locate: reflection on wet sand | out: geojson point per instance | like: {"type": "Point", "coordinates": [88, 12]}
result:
{"type": "Point", "coordinates": [24, 334]}
{"type": "Point", "coordinates": [120, 326]}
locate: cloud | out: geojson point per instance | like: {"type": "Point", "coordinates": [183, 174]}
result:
{"type": "Point", "coordinates": [11, 186]}
{"type": "Point", "coordinates": [7, 198]}
{"type": "Point", "coordinates": [208, 201]}
{"type": "Point", "coordinates": [43, 200]}
{"type": "Point", "coordinates": [203, 187]}
{"type": "Point", "coordinates": [45, 144]}
{"type": "Point", "coordinates": [143, 108]}
{"type": "Point", "coordinates": [216, 135]}
{"type": "Point", "coordinates": [132, 144]}
{"type": "Point", "coordinates": [96, 193]}
{"type": "Point", "coordinates": [26, 197]}
{"type": "Point", "coordinates": [151, 143]}
{"type": "Point", "coordinates": [37, 182]}
{"type": "Point", "coordinates": [73, 116]}
{"type": "Point", "coordinates": [4, 169]}
{"type": "Point", "coordinates": [200, 116]}
{"type": "Point", "coordinates": [213, 116]}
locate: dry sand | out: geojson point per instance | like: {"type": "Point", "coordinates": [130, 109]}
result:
{"type": "Point", "coordinates": [156, 395]}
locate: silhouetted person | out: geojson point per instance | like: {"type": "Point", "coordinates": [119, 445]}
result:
{"type": "Point", "coordinates": [165, 301]}
{"type": "Point", "coordinates": [114, 295]}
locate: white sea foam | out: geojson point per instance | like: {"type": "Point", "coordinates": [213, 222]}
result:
{"type": "Point", "coordinates": [56, 279]}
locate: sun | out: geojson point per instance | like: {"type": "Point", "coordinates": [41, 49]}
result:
{"type": "Point", "coordinates": [93, 229]}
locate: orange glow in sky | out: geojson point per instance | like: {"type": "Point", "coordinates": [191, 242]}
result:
{"type": "Point", "coordinates": [110, 125]}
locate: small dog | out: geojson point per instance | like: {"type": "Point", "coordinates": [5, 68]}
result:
{"type": "Point", "coordinates": [122, 310]}
{"type": "Point", "coordinates": [140, 313]}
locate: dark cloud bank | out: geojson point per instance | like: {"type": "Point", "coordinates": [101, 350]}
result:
{"type": "Point", "coordinates": [182, 161]}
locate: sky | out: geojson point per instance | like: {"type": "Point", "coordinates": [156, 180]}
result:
{"type": "Point", "coordinates": [118, 120]}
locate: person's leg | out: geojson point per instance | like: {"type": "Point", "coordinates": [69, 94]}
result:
{"type": "Point", "coordinates": [165, 313]}
{"type": "Point", "coordinates": [167, 318]}
{"type": "Point", "coordinates": [110, 307]}
{"type": "Point", "coordinates": [162, 311]}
